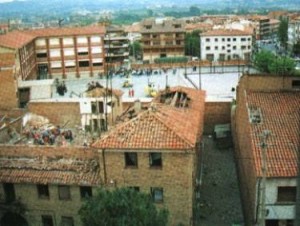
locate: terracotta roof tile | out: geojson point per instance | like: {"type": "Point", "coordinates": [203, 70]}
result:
{"type": "Point", "coordinates": [281, 116]}
{"type": "Point", "coordinates": [48, 165]}
{"type": "Point", "coordinates": [160, 127]}
{"type": "Point", "coordinates": [15, 39]}
{"type": "Point", "coordinates": [226, 32]}
{"type": "Point", "coordinates": [68, 31]}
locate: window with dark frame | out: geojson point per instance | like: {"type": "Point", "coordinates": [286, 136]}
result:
{"type": "Point", "coordinates": [67, 221]}
{"type": "Point", "coordinates": [47, 220]}
{"type": "Point", "coordinates": [86, 192]}
{"type": "Point", "coordinates": [41, 55]}
{"type": "Point", "coordinates": [131, 159]}
{"type": "Point", "coordinates": [43, 191]}
{"type": "Point", "coordinates": [84, 63]}
{"type": "Point", "coordinates": [64, 192]}
{"type": "Point", "coordinates": [157, 194]}
{"type": "Point", "coordinates": [155, 159]}
{"type": "Point", "coordinates": [286, 194]}
{"type": "Point", "coordinates": [9, 191]}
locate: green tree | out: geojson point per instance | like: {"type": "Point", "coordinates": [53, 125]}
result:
{"type": "Point", "coordinates": [121, 207]}
{"type": "Point", "coordinates": [283, 32]}
{"type": "Point", "coordinates": [263, 59]}
{"type": "Point", "coordinates": [135, 49]}
{"type": "Point", "coordinates": [282, 66]}
{"type": "Point", "coordinates": [192, 43]}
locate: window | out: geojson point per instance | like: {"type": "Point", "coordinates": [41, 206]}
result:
{"type": "Point", "coordinates": [216, 39]}
{"type": "Point", "coordinates": [131, 159]}
{"type": "Point", "coordinates": [223, 39]}
{"type": "Point", "coordinates": [216, 47]}
{"type": "Point", "coordinates": [178, 42]}
{"type": "Point", "coordinates": [67, 221]}
{"type": "Point", "coordinates": [234, 47]}
{"type": "Point", "coordinates": [177, 25]}
{"type": "Point", "coordinates": [243, 47]}
{"type": "Point", "coordinates": [47, 220]}
{"type": "Point", "coordinates": [43, 191]}
{"type": "Point", "coordinates": [243, 39]}
{"type": "Point", "coordinates": [155, 159]}
{"type": "Point", "coordinates": [41, 55]}
{"type": "Point", "coordinates": [86, 191]}
{"type": "Point", "coordinates": [207, 48]}
{"type": "Point", "coordinates": [97, 108]}
{"type": "Point", "coordinates": [223, 47]}
{"type": "Point", "coordinates": [286, 194]}
{"type": "Point", "coordinates": [228, 39]}
{"type": "Point", "coordinates": [157, 194]}
{"type": "Point", "coordinates": [9, 191]}
{"type": "Point", "coordinates": [84, 63]}
{"type": "Point", "coordinates": [64, 192]}
{"type": "Point", "coordinates": [207, 40]}
{"type": "Point", "coordinates": [234, 39]}
{"type": "Point", "coordinates": [296, 84]}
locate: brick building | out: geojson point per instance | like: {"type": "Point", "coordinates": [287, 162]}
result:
{"type": "Point", "coordinates": [267, 132]}
{"type": "Point", "coordinates": [53, 52]}
{"type": "Point", "coordinates": [45, 185]}
{"type": "Point", "coordinates": [158, 152]}
{"type": "Point", "coordinates": [162, 38]}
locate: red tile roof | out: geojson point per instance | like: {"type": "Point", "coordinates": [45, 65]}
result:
{"type": "Point", "coordinates": [160, 127]}
{"type": "Point", "coordinates": [15, 39]}
{"type": "Point", "coordinates": [68, 31]}
{"type": "Point", "coordinates": [7, 59]}
{"type": "Point", "coordinates": [227, 32]}
{"type": "Point", "coordinates": [281, 116]}
{"type": "Point", "coordinates": [48, 165]}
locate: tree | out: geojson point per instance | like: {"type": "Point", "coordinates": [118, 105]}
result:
{"type": "Point", "coordinates": [121, 207]}
{"type": "Point", "coordinates": [263, 59]}
{"type": "Point", "coordinates": [192, 43]}
{"type": "Point", "coordinates": [282, 66]}
{"type": "Point", "coordinates": [135, 49]}
{"type": "Point", "coordinates": [283, 32]}
{"type": "Point", "coordinates": [296, 49]}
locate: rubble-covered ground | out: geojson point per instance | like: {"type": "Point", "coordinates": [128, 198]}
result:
{"type": "Point", "coordinates": [219, 203]}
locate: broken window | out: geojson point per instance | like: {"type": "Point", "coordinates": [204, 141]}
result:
{"type": "Point", "coordinates": [155, 159]}
{"type": "Point", "coordinates": [157, 194]}
{"type": "Point", "coordinates": [86, 192]}
{"type": "Point", "coordinates": [47, 220]}
{"type": "Point", "coordinates": [67, 221]}
{"type": "Point", "coordinates": [64, 192]}
{"type": "Point", "coordinates": [255, 114]}
{"type": "Point", "coordinates": [9, 191]}
{"type": "Point", "coordinates": [131, 159]}
{"type": "Point", "coordinates": [43, 191]}
{"type": "Point", "coordinates": [286, 194]}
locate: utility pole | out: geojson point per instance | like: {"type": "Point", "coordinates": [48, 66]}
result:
{"type": "Point", "coordinates": [262, 191]}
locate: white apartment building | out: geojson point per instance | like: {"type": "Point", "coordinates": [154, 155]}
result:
{"type": "Point", "coordinates": [220, 45]}
{"type": "Point", "coordinates": [293, 32]}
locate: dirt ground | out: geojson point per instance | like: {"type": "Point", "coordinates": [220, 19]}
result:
{"type": "Point", "coordinates": [219, 203]}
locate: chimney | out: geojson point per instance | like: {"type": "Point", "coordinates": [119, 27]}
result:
{"type": "Point", "coordinates": [137, 106]}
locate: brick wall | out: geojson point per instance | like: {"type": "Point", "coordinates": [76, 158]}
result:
{"type": "Point", "coordinates": [8, 91]}
{"type": "Point", "coordinates": [216, 113]}
{"type": "Point", "coordinates": [175, 177]}
{"type": "Point", "coordinates": [58, 113]}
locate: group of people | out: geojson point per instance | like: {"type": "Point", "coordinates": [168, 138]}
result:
{"type": "Point", "coordinates": [131, 92]}
{"type": "Point", "coordinates": [92, 85]}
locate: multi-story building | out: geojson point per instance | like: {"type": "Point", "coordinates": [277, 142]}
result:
{"type": "Point", "coordinates": [56, 52]}
{"type": "Point", "coordinates": [158, 152]}
{"type": "Point", "coordinates": [267, 127]}
{"type": "Point", "coordinates": [293, 32]}
{"type": "Point", "coordinates": [46, 186]}
{"type": "Point", "coordinates": [262, 26]}
{"type": "Point", "coordinates": [220, 45]}
{"type": "Point", "coordinates": [116, 44]}
{"type": "Point", "coordinates": [162, 38]}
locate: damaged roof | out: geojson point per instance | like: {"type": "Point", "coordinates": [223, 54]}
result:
{"type": "Point", "coordinates": [280, 115]}
{"type": "Point", "coordinates": [162, 126]}
{"type": "Point", "coordinates": [48, 165]}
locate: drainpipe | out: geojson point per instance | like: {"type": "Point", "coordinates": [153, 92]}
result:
{"type": "Point", "coordinates": [104, 166]}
